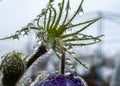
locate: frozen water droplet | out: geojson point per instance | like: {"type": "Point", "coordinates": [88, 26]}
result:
{"type": "Point", "coordinates": [22, 32]}
{"type": "Point", "coordinates": [42, 75]}
{"type": "Point", "coordinates": [68, 61]}
{"type": "Point", "coordinates": [17, 32]}
{"type": "Point", "coordinates": [43, 11]}
{"type": "Point", "coordinates": [37, 63]}
{"type": "Point", "coordinates": [73, 54]}
{"type": "Point", "coordinates": [15, 39]}
{"type": "Point", "coordinates": [29, 80]}
{"type": "Point", "coordinates": [102, 37]}
{"type": "Point", "coordinates": [96, 40]}
{"type": "Point", "coordinates": [39, 42]}
{"type": "Point", "coordinates": [33, 83]}
{"type": "Point", "coordinates": [49, 53]}
{"type": "Point", "coordinates": [37, 17]}
{"type": "Point", "coordinates": [50, 50]}
{"type": "Point", "coordinates": [71, 50]}
{"type": "Point", "coordinates": [71, 65]}
{"type": "Point", "coordinates": [82, 46]}
{"type": "Point", "coordinates": [59, 4]}
{"type": "Point", "coordinates": [29, 26]}
{"type": "Point", "coordinates": [84, 36]}
{"type": "Point", "coordinates": [81, 13]}
{"type": "Point", "coordinates": [73, 69]}
{"type": "Point", "coordinates": [2, 57]}
{"type": "Point", "coordinates": [67, 73]}
{"type": "Point", "coordinates": [69, 47]}
{"type": "Point", "coordinates": [36, 47]}
{"type": "Point", "coordinates": [56, 72]}
{"type": "Point", "coordinates": [22, 84]}
{"type": "Point", "coordinates": [25, 35]}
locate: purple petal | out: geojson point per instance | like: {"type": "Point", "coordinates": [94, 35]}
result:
{"type": "Point", "coordinates": [60, 80]}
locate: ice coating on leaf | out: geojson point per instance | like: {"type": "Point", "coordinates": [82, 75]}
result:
{"type": "Point", "coordinates": [60, 80]}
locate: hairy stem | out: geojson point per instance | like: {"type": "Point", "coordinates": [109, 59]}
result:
{"type": "Point", "coordinates": [41, 50]}
{"type": "Point", "coordinates": [63, 50]}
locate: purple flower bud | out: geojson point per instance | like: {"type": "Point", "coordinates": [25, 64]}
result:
{"type": "Point", "coordinates": [60, 80]}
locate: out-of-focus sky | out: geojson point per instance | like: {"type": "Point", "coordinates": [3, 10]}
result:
{"type": "Point", "coordinates": [15, 14]}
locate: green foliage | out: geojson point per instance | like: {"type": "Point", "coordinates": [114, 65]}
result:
{"type": "Point", "coordinates": [50, 28]}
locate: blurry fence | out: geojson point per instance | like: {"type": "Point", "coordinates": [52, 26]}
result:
{"type": "Point", "coordinates": [109, 25]}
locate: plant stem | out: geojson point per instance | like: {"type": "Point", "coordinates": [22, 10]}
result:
{"type": "Point", "coordinates": [63, 50]}
{"type": "Point", "coordinates": [63, 64]}
{"type": "Point", "coordinates": [41, 50]}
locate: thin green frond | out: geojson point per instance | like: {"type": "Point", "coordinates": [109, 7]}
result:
{"type": "Point", "coordinates": [19, 32]}
{"type": "Point", "coordinates": [77, 59]}
{"type": "Point", "coordinates": [38, 20]}
{"type": "Point", "coordinates": [82, 44]}
{"type": "Point", "coordinates": [54, 17]}
{"type": "Point", "coordinates": [88, 25]}
{"type": "Point", "coordinates": [77, 32]}
{"type": "Point", "coordinates": [80, 6]}
{"type": "Point", "coordinates": [63, 28]}
{"type": "Point", "coordinates": [45, 15]}
{"type": "Point", "coordinates": [9, 37]}
{"type": "Point", "coordinates": [82, 38]}
{"type": "Point", "coordinates": [59, 16]}
{"type": "Point", "coordinates": [49, 18]}
{"type": "Point", "coordinates": [82, 23]}
{"type": "Point", "coordinates": [67, 10]}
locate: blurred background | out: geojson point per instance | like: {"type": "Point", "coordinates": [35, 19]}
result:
{"type": "Point", "coordinates": [103, 58]}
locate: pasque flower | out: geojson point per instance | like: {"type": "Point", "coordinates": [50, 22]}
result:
{"type": "Point", "coordinates": [62, 80]}
{"type": "Point", "coordinates": [52, 28]}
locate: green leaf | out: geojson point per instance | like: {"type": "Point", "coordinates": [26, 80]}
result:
{"type": "Point", "coordinates": [67, 11]}
{"type": "Point", "coordinates": [59, 16]}
{"type": "Point", "coordinates": [77, 32]}
{"type": "Point", "coordinates": [80, 6]}
{"type": "Point", "coordinates": [49, 19]}
{"type": "Point", "coordinates": [19, 32]}
{"type": "Point", "coordinates": [87, 37]}
{"type": "Point", "coordinates": [77, 59]}
{"type": "Point", "coordinates": [82, 23]}
{"type": "Point", "coordinates": [54, 17]}
{"type": "Point", "coordinates": [81, 44]}
{"type": "Point", "coordinates": [63, 28]}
